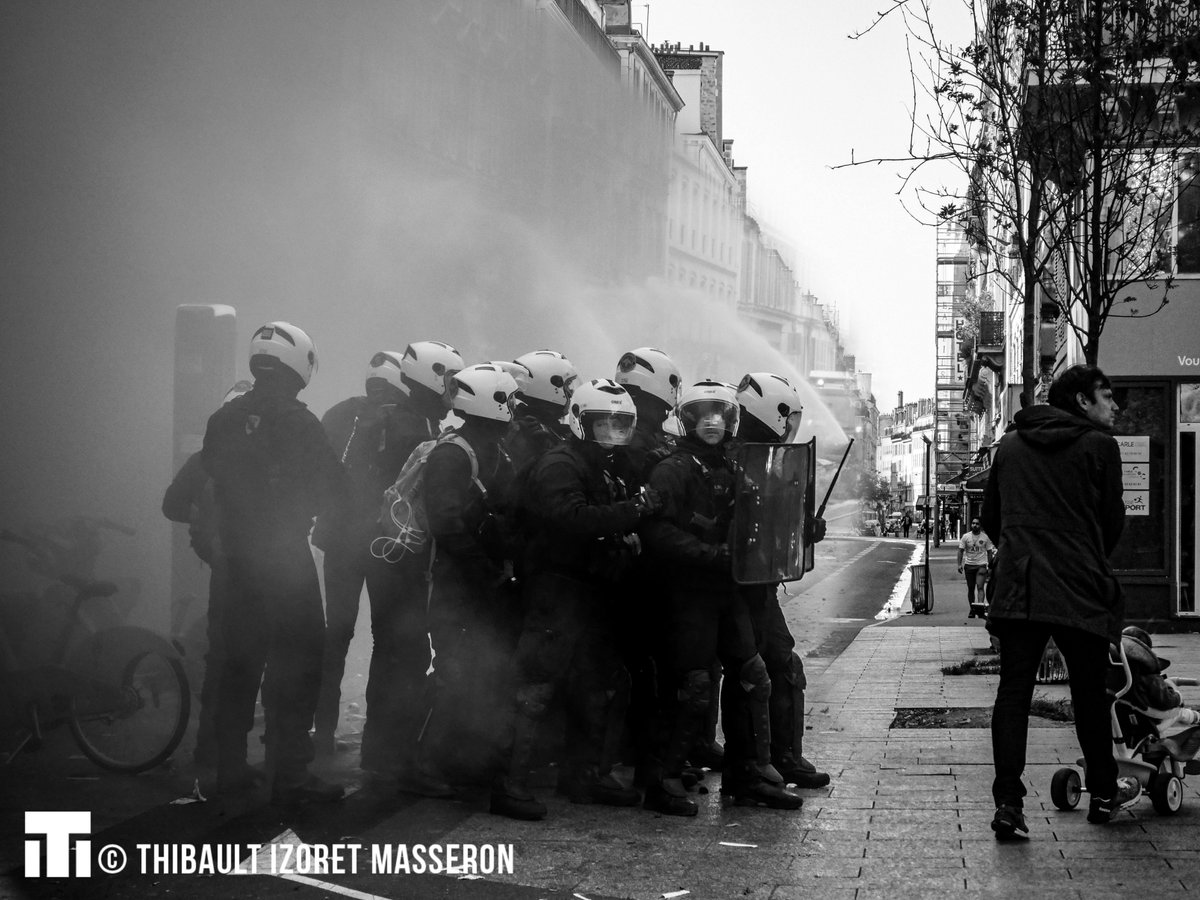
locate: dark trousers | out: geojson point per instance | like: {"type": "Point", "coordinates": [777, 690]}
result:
{"type": "Point", "coordinates": [344, 573]}
{"type": "Point", "coordinates": [400, 655]}
{"type": "Point", "coordinates": [569, 649]}
{"type": "Point", "coordinates": [775, 644]}
{"type": "Point", "coordinates": [1086, 656]}
{"type": "Point", "coordinates": [274, 633]}
{"type": "Point", "coordinates": [976, 576]}
{"type": "Point", "coordinates": [214, 662]}
{"type": "Point", "coordinates": [474, 627]}
{"type": "Point", "coordinates": [701, 626]}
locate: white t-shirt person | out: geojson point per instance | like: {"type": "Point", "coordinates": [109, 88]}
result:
{"type": "Point", "coordinates": [974, 548]}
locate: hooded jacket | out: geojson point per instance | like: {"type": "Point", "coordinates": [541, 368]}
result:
{"type": "Point", "coordinates": [1053, 508]}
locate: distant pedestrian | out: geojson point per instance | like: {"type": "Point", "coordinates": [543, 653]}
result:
{"type": "Point", "coordinates": [1053, 502]}
{"type": "Point", "coordinates": [906, 523]}
{"type": "Point", "coordinates": [975, 552]}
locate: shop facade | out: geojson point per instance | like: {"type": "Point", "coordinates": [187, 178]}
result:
{"type": "Point", "coordinates": [1154, 364]}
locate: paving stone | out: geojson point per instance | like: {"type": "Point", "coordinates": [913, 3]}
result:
{"type": "Point", "coordinates": [907, 816]}
{"type": "Point", "coordinates": [815, 888]}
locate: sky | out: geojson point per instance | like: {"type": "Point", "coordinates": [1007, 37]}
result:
{"type": "Point", "coordinates": [799, 98]}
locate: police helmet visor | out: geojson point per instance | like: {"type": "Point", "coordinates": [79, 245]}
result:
{"type": "Point", "coordinates": [793, 427]}
{"type": "Point", "coordinates": [610, 429]}
{"type": "Point", "coordinates": [705, 415]}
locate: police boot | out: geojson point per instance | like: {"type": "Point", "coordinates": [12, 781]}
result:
{"type": "Point", "coordinates": [510, 792]}
{"type": "Point", "coordinates": [513, 799]}
{"type": "Point", "coordinates": [669, 797]}
{"type": "Point", "coordinates": [665, 793]}
{"type": "Point", "coordinates": [787, 730]}
{"type": "Point", "coordinates": [707, 753]}
{"type": "Point", "coordinates": [751, 784]}
{"type": "Point", "coordinates": [415, 776]}
{"type": "Point", "coordinates": [585, 784]}
{"type": "Point", "coordinates": [800, 772]}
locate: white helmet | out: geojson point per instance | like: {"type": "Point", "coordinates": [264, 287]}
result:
{"type": "Point", "coordinates": [386, 365]}
{"type": "Point", "coordinates": [281, 343]}
{"type": "Point", "coordinates": [651, 371]}
{"type": "Point", "coordinates": [520, 373]}
{"type": "Point", "coordinates": [772, 401]}
{"type": "Point", "coordinates": [705, 398]}
{"type": "Point", "coordinates": [606, 404]}
{"type": "Point", "coordinates": [485, 391]}
{"type": "Point", "coordinates": [428, 364]}
{"type": "Point", "coordinates": [552, 377]}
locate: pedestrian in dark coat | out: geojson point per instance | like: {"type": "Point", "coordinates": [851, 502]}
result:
{"type": "Point", "coordinates": [1053, 507]}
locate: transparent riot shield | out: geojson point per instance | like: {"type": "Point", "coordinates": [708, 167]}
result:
{"type": "Point", "coordinates": [774, 498]}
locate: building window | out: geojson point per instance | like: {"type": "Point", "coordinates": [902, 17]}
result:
{"type": "Point", "coordinates": [1144, 422]}
{"type": "Point", "coordinates": [1170, 214]}
{"type": "Point", "coordinates": [1187, 216]}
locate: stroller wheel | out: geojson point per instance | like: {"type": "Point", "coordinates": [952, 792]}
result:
{"type": "Point", "coordinates": [1066, 789]}
{"type": "Point", "coordinates": [1166, 793]}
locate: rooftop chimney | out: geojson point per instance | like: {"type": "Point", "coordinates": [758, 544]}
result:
{"type": "Point", "coordinates": [617, 18]}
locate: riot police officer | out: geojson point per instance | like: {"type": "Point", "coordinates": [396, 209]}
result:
{"type": "Point", "coordinates": [373, 436]}
{"type": "Point", "coordinates": [770, 413]}
{"type": "Point", "coordinates": [273, 471]}
{"type": "Point", "coordinates": [471, 606]}
{"type": "Point", "coordinates": [545, 381]}
{"type": "Point", "coordinates": [706, 616]}
{"type": "Point", "coordinates": [583, 514]}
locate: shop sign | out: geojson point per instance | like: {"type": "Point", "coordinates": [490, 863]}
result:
{"type": "Point", "coordinates": [1135, 473]}
{"type": "Point", "coordinates": [1135, 476]}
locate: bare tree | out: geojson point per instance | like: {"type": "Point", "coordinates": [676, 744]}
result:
{"type": "Point", "coordinates": [1057, 133]}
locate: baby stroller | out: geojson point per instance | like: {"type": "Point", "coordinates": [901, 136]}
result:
{"type": "Point", "coordinates": [1158, 763]}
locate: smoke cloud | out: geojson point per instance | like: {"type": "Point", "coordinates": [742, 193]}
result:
{"type": "Point", "coordinates": [374, 172]}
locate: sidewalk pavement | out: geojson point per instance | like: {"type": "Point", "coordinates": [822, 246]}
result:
{"type": "Point", "coordinates": [908, 812]}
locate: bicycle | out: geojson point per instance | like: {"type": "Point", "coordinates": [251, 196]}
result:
{"type": "Point", "coordinates": [121, 689]}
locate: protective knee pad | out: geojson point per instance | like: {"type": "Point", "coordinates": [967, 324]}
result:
{"type": "Point", "coordinates": [695, 691]}
{"type": "Point", "coordinates": [754, 679]}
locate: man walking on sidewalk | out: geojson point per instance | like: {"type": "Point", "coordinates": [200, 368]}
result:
{"type": "Point", "coordinates": [1053, 504]}
{"type": "Point", "coordinates": [974, 556]}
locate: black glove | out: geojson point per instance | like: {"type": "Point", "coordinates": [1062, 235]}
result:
{"type": "Point", "coordinates": [649, 502]}
{"type": "Point", "coordinates": [814, 531]}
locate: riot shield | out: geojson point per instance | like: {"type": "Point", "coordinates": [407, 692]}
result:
{"type": "Point", "coordinates": [773, 499]}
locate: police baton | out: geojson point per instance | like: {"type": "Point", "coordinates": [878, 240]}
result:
{"type": "Point", "coordinates": [821, 511]}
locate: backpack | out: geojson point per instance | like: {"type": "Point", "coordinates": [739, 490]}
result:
{"type": "Point", "coordinates": [402, 517]}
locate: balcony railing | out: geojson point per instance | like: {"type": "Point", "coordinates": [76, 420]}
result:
{"type": "Point", "coordinates": [1166, 20]}
{"type": "Point", "coordinates": [1156, 27]}
{"type": "Point", "coordinates": [991, 329]}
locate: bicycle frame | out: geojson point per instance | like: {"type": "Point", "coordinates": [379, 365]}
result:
{"type": "Point", "coordinates": [108, 684]}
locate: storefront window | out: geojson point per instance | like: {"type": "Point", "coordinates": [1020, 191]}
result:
{"type": "Point", "coordinates": [1141, 429]}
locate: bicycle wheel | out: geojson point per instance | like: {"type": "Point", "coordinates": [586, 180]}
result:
{"type": "Point", "coordinates": [136, 722]}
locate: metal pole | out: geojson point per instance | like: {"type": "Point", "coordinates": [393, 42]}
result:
{"type": "Point", "coordinates": [925, 588]}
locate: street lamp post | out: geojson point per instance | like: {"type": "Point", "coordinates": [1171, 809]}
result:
{"type": "Point", "coordinates": [925, 588]}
